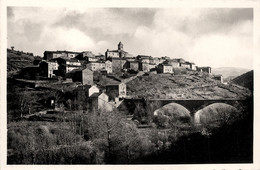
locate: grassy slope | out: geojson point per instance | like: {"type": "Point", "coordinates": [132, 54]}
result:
{"type": "Point", "coordinates": [245, 80]}
{"type": "Point", "coordinates": [193, 85]}
{"type": "Point", "coordinates": [16, 62]}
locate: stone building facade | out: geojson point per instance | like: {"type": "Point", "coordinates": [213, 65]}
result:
{"type": "Point", "coordinates": [116, 90]}
{"type": "Point", "coordinates": [164, 68]}
{"type": "Point", "coordinates": [85, 76]}
{"type": "Point", "coordinates": [204, 69]}
{"type": "Point", "coordinates": [48, 55]}
{"type": "Point", "coordinates": [48, 68]}
{"type": "Point", "coordinates": [119, 53]}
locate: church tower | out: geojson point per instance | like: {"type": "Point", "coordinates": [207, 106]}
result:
{"type": "Point", "coordinates": [120, 46]}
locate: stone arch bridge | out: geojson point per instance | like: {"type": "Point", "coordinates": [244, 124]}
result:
{"type": "Point", "coordinates": [192, 105]}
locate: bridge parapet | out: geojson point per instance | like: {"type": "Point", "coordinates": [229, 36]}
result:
{"type": "Point", "coordinates": [195, 105]}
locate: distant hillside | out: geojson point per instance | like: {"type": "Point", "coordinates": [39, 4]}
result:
{"type": "Point", "coordinates": [229, 73]}
{"type": "Point", "coordinates": [17, 60]}
{"type": "Point", "coordinates": [245, 80]}
{"type": "Point", "coordinates": [191, 85]}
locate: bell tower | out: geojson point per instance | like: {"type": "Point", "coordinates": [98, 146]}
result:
{"type": "Point", "coordinates": [120, 46]}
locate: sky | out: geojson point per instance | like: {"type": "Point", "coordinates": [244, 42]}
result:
{"type": "Point", "coordinates": [216, 37]}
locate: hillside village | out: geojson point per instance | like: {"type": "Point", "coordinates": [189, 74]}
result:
{"type": "Point", "coordinates": [123, 85]}
{"type": "Point", "coordinates": [117, 67]}
{"type": "Point", "coordinates": [76, 101]}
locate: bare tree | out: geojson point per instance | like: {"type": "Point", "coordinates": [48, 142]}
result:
{"type": "Point", "coordinates": [119, 138]}
{"type": "Point", "coordinates": [24, 104]}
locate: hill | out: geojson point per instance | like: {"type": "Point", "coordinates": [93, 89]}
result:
{"type": "Point", "coordinates": [229, 73]}
{"type": "Point", "coordinates": [17, 60]}
{"type": "Point", "coordinates": [245, 80]}
{"type": "Point", "coordinates": [191, 85]}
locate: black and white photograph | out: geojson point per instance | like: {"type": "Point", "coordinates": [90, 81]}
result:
{"type": "Point", "coordinates": [126, 85]}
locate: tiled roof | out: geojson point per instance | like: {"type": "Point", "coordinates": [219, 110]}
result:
{"type": "Point", "coordinates": [114, 83]}
{"type": "Point", "coordinates": [59, 52]}
{"type": "Point", "coordinates": [97, 62]}
{"type": "Point", "coordinates": [204, 67]}
{"type": "Point", "coordinates": [180, 60]}
{"type": "Point", "coordinates": [66, 59]}
{"type": "Point", "coordinates": [129, 57]}
{"type": "Point", "coordinates": [133, 62]}
{"type": "Point", "coordinates": [164, 64]}
{"type": "Point", "coordinates": [118, 58]}
{"type": "Point", "coordinates": [74, 71]}
{"type": "Point", "coordinates": [143, 56]}
{"type": "Point", "coordinates": [71, 65]}
{"type": "Point", "coordinates": [94, 95]}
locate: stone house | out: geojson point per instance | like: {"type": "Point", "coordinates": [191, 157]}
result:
{"type": "Point", "coordinates": [96, 66]}
{"type": "Point", "coordinates": [92, 89]}
{"type": "Point", "coordinates": [174, 63]}
{"type": "Point", "coordinates": [192, 66]}
{"type": "Point", "coordinates": [133, 65]}
{"type": "Point", "coordinates": [100, 57]}
{"type": "Point", "coordinates": [180, 60]}
{"type": "Point", "coordinates": [164, 68]}
{"type": "Point", "coordinates": [86, 89]}
{"type": "Point", "coordinates": [144, 58]}
{"type": "Point", "coordinates": [185, 65]}
{"type": "Point", "coordinates": [85, 76]}
{"type": "Point", "coordinates": [104, 104]}
{"type": "Point", "coordinates": [204, 69]}
{"type": "Point", "coordinates": [219, 77]}
{"type": "Point", "coordinates": [66, 65]}
{"type": "Point", "coordinates": [161, 60]}
{"type": "Point", "coordinates": [92, 59]}
{"type": "Point", "coordinates": [144, 67]}
{"type": "Point", "coordinates": [116, 90]}
{"type": "Point", "coordinates": [155, 61]}
{"type": "Point", "coordinates": [48, 55]}
{"type": "Point", "coordinates": [48, 68]}
{"type": "Point", "coordinates": [100, 101]}
{"type": "Point", "coordinates": [112, 54]}
{"type": "Point", "coordinates": [83, 93]}
{"type": "Point", "coordinates": [108, 66]}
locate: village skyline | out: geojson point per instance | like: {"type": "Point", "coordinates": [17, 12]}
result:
{"type": "Point", "coordinates": [208, 37]}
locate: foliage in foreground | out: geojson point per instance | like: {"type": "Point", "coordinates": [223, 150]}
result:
{"type": "Point", "coordinates": [95, 138]}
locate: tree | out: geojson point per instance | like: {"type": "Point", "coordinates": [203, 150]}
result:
{"type": "Point", "coordinates": [119, 139]}
{"type": "Point", "coordinates": [24, 103]}
{"type": "Point", "coordinates": [139, 112]}
{"type": "Point", "coordinates": [150, 108]}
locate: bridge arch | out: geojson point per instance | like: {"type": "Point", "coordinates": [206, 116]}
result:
{"type": "Point", "coordinates": [215, 114]}
{"type": "Point", "coordinates": [174, 110]}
